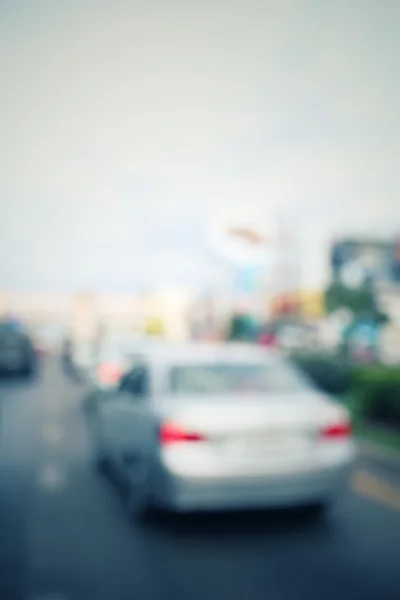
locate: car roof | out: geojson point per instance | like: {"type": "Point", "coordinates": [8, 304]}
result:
{"type": "Point", "coordinates": [205, 353]}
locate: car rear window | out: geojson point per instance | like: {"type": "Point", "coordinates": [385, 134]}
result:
{"type": "Point", "coordinates": [234, 378]}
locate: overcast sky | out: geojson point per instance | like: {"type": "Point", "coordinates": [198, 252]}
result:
{"type": "Point", "coordinates": [127, 127]}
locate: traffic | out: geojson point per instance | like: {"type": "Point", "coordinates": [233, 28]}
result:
{"type": "Point", "coordinates": [171, 464]}
{"type": "Point", "coordinates": [205, 426]}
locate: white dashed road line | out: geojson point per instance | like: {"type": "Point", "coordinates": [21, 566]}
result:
{"type": "Point", "coordinates": [54, 406]}
{"type": "Point", "coordinates": [51, 477]}
{"type": "Point", "coordinates": [46, 597]}
{"type": "Point", "coordinates": [52, 432]}
{"type": "Point", "coordinates": [54, 413]}
{"type": "Point", "coordinates": [377, 489]}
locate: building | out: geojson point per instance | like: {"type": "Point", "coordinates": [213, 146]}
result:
{"type": "Point", "coordinates": [84, 312]}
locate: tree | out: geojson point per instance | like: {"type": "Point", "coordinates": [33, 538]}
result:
{"type": "Point", "coordinates": [359, 301]}
{"type": "Point", "coordinates": [242, 327]}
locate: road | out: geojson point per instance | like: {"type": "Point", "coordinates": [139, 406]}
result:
{"type": "Point", "coordinates": [65, 534]}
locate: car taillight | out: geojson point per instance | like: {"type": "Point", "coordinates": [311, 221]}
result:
{"type": "Point", "coordinates": [172, 433]}
{"type": "Point", "coordinates": [337, 431]}
{"type": "Point", "coordinates": [109, 373]}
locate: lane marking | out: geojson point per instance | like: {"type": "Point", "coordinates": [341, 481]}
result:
{"type": "Point", "coordinates": [51, 477]}
{"type": "Point", "coordinates": [52, 432]}
{"type": "Point", "coordinates": [380, 490]}
{"type": "Point", "coordinates": [47, 597]}
{"type": "Point", "coordinates": [54, 407]}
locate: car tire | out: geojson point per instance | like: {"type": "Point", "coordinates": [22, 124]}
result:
{"type": "Point", "coordinates": [139, 504]}
{"type": "Point", "coordinates": [317, 510]}
{"type": "Point", "coordinates": [29, 372]}
{"type": "Point", "coordinates": [103, 464]}
{"type": "Point", "coordinates": [102, 459]}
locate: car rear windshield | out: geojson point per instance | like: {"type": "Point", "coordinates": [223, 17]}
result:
{"type": "Point", "coordinates": [234, 378]}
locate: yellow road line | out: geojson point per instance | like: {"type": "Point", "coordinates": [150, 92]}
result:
{"type": "Point", "coordinates": [369, 485]}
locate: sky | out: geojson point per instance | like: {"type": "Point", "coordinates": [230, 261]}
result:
{"type": "Point", "coordinates": [129, 129]}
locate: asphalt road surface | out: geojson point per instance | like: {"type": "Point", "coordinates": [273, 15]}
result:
{"type": "Point", "coordinates": [65, 534]}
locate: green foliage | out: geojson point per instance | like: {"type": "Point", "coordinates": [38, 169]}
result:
{"type": "Point", "coordinates": [359, 301]}
{"type": "Point", "coordinates": [373, 391]}
{"type": "Point", "coordinates": [242, 327]}
{"type": "Point", "coordinates": [376, 395]}
{"type": "Point", "coordinates": [330, 373]}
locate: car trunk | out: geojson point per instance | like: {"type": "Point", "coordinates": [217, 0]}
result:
{"type": "Point", "coordinates": [274, 432]}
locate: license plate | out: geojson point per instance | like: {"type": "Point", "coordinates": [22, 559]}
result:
{"type": "Point", "coordinates": [273, 445]}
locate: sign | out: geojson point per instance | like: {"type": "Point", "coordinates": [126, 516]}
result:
{"type": "Point", "coordinates": [155, 326]}
{"type": "Point", "coordinates": [248, 235]}
{"type": "Point", "coordinates": [353, 274]}
{"type": "Point", "coordinates": [240, 242]}
{"type": "Point", "coordinates": [248, 279]}
{"type": "Point", "coordinates": [243, 256]}
{"type": "Point", "coordinates": [311, 304]}
{"type": "Point", "coordinates": [355, 260]}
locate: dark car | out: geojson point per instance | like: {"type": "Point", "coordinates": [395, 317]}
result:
{"type": "Point", "coordinates": [17, 352]}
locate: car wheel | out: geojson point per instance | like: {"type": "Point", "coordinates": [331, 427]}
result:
{"type": "Point", "coordinates": [318, 509]}
{"type": "Point", "coordinates": [101, 457]}
{"type": "Point", "coordinates": [103, 464]}
{"type": "Point", "coordinates": [138, 493]}
{"type": "Point", "coordinates": [29, 372]}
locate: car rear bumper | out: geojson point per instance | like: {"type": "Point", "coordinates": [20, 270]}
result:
{"type": "Point", "coordinates": [205, 493]}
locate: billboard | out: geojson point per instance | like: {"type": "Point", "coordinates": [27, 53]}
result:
{"type": "Point", "coordinates": [248, 279]}
{"type": "Point", "coordinates": [354, 261]}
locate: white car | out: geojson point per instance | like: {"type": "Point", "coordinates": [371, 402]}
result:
{"type": "Point", "coordinates": [200, 427]}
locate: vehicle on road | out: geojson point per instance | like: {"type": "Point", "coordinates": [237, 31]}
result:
{"type": "Point", "coordinates": [77, 358]}
{"type": "Point", "coordinates": [93, 360]}
{"type": "Point", "coordinates": [114, 357]}
{"type": "Point", "coordinates": [200, 427]}
{"type": "Point", "coordinates": [17, 352]}
{"type": "Point", "coordinates": [109, 364]}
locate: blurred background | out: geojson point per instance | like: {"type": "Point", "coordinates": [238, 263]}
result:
{"type": "Point", "coordinates": [196, 171]}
